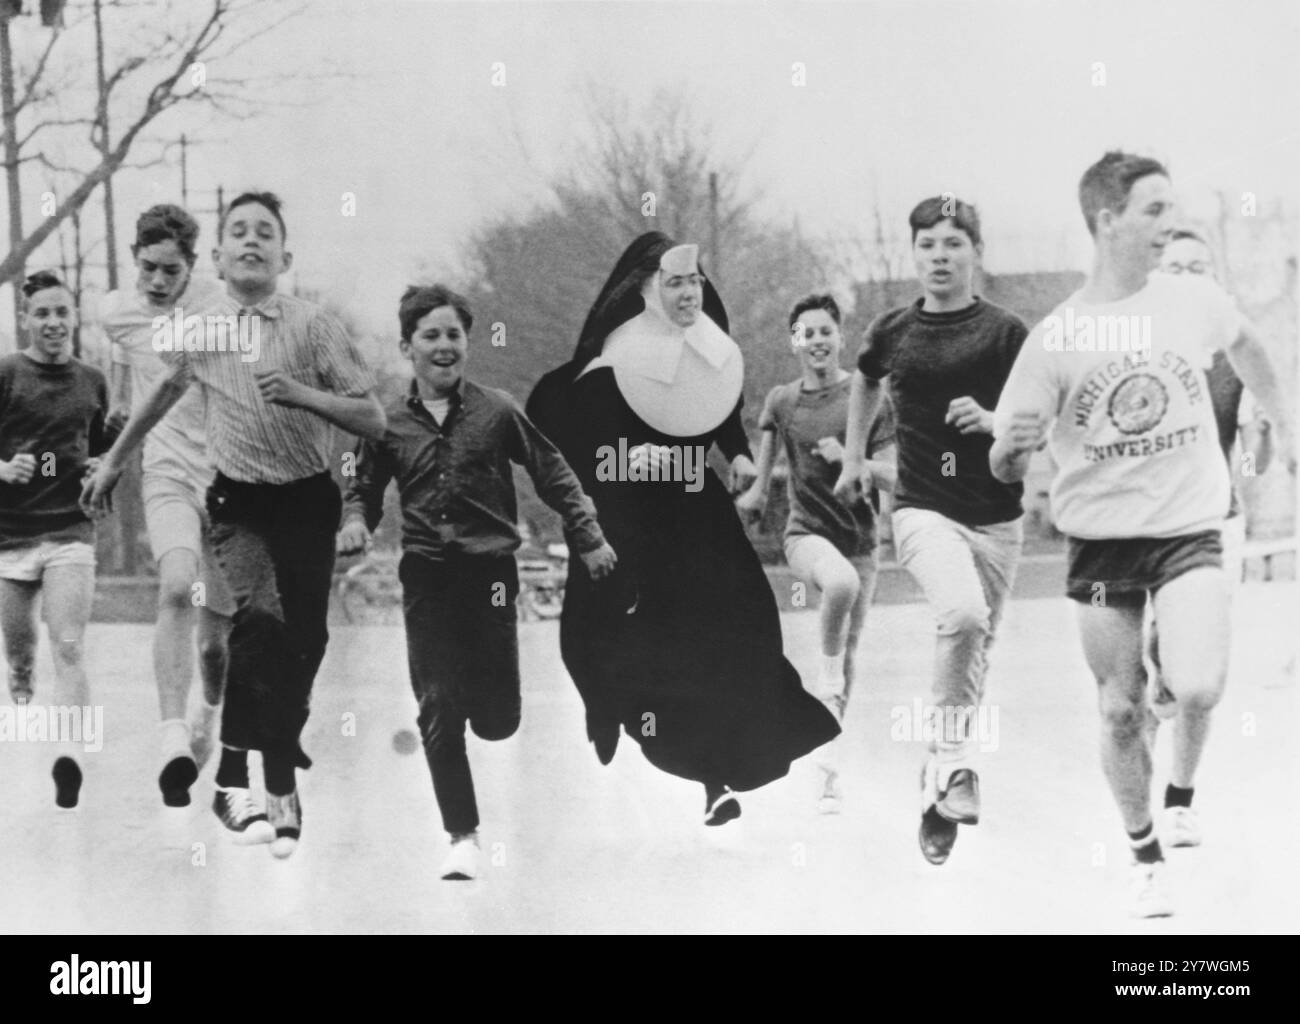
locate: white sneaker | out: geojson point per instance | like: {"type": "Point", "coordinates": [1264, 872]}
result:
{"type": "Point", "coordinates": [1148, 896]}
{"type": "Point", "coordinates": [461, 864]}
{"type": "Point", "coordinates": [1181, 827]}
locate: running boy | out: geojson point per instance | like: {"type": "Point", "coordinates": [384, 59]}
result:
{"type": "Point", "coordinates": [53, 409]}
{"type": "Point", "coordinates": [957, 530]}
{"type": "Point", "coordinates": [1141, 489]}
{"type": "Point", "coordinates": [449, 444]}
{"type": "Point", "coordinates": [827, 542]}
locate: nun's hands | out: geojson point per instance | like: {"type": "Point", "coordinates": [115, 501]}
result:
{"type": "Point", "coordinates": [743, 474]}
{"type": "Point", "coordinates": [751, 504]}
{"type": "Point", "coordinates": [601, 562]}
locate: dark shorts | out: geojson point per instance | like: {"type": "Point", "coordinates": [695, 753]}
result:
{"type": "Point", "coordinates": [1130, 568]}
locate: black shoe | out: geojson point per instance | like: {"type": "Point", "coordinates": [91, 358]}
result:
{"type": "Point", "coordinates": [937, 836]}
{"type": "Point", "coordinates": [960, 802]}
{"type": "Point", "coordinates": [237, 811]}
{"type": "Point", "coordinates": [175, 780]}
{"type": "Point", "coordinates": [67, 783]}
{"type": "Point", "coordinates": [720, 806]}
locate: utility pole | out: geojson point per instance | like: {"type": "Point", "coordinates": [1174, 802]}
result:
{"type": "Point", "coordinates": [716, 254]}
{"type": "Point", "coordinates": [8, 11]}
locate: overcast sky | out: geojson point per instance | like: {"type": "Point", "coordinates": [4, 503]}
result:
{"type": "Point", "coordinates": [997, 101]}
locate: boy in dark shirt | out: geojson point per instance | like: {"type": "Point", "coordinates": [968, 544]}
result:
{"type": "Point", "coordinates": [53, 409]}
{"type": "Point", "coordinates": [957, 530]}
{"type": "Point", "coordinates": [450, 445]}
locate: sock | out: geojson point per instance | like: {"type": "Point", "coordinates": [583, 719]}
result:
{"type": "Point", "coordinates": [232, 771]}
{"type": "Point", "coordinates": [278, 773]}
{"type": "Point", "coordinates": [456, 837]}
{"type": "Point", "coordinates": [175, 736]}
{"type": "Point", "coordinates": [1176, 796]}
{"type": "Point", "coordinates": [67, 782]}
{"type": "Point", "coordinates": [1146, 847]}
{"type": "Point", "coordinates": [833, 668]}
{"type": "Point", "coordinates": [949, 757]}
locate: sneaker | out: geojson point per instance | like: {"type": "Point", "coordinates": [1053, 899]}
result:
{"type": "Point", "coordinates": [960, 802]}
{"type": "Point", "coordinates": [67, 783]}
{"type": "Point", "coordinates": [461, 864]}
{"type": "Point", "coordinates": [285, 814]}
{"type": "Point", "coordinates": [241, 815]}
{"type": "Point", "coordinates": [175, 780]}
{"type": "Point", "coordinates": [1181, 827]}
{"type": "Point", "coordinates": [203, 730]}
{"type": "Point", "coordinates": [829, 796]}
{"type": "Point", "coordinates": [724, 808]}
{"type": "Point", "coordinates": [1148, 895]}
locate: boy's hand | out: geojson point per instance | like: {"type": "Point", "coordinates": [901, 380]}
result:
{"type": "Point", "coordinates": [743, 474]}
{"type": "Point", "coordinates": [968, 416]}
{"type": "Point", "coordinates": [600, 563]}
{"type": "Point", "coordinates": [1028, 433]}
{"type": "Point", "coordinates": [830, 449]}
{"type": "Point", "coordinates": [643, 455]}
{"type": "Point", "coordinates": [354, 538]}
{"type": "Point", "coordinates": [97, 490]}
{"type": "Point", "coordinates": [18, 470]}
{"type": "Point", "coordinates": [117, 419]}
{"type": "Point", "coordinates": [751, 504]}
{"type": "Point", "coordinates": [278, 388]}
{"type": "Point", "coordinates": [848, 488]}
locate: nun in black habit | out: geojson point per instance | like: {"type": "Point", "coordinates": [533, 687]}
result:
{"type": "Point", "coordinates": [681, 646]}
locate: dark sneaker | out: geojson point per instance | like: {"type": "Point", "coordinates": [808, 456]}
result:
{"type": "Point", "coordinates": [937, 836]}
{"type": "Point", "coordinates": [285, 813]}
{"type": "Point", "coordinates": [67, 783]}
{"type": "Point", "coordinates": [960, 802]}
{"type": "Point", "coordinates": [237, 811]}
{"type": "Point", "coordinates": [175, 780]}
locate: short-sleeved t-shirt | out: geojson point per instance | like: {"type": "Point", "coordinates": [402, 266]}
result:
{"type": "Point", "coordinates": [1134, 436]}
{"type": "Point", "coordinates": [929, 359]}
{"type": "Point", "coordinates": [800, 419]}
{"type": "Point", "coordinates": [1226, 394]}
{"type": "Point", "coordinates": [250, 440]}
{"type": "Point", "coordinates": [176, 447]}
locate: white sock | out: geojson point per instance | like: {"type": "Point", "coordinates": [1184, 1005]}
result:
{"type": "Point", "coordinates": [950, 757]}
{"type": "Point", "coordinates": [175, 736]}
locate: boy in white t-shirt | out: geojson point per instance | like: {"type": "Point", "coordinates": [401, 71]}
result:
{"type": "Point", "coordinates": [1117, 372]}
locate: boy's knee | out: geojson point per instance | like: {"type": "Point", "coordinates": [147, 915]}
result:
{"type": "Point", "coordinates": [842, 588]}
{"type": "Point", "coordinates": [1123, 715]}
{"type": "Point", "coordinates": [176, 593]}
{"type": "Point", "coordinates": [965, 619]}
{"type": "Point", "coordinates": [1201, 696]}
{"type": "Point", "coordinates": [68, 650]}
{"type": "Point", "coordinates": [212, 651]}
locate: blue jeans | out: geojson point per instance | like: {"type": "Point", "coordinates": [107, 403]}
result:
{"type": "Point", "coordinates": [275, 545]}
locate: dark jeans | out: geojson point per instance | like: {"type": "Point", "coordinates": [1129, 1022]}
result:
{"type": "Point", "coordinates": [275, 545]}
{"type": "Point", "coordinates": [463, 653]}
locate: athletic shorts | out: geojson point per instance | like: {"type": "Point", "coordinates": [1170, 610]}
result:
{"type": "Point", "coordinates": [174, 517]}
{"type": "Point", "coordinates": [28, 564]}
{"type": "Point", "coordinates": [1130, 568]}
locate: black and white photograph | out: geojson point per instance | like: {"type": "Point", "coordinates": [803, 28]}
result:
{"type": "Point", "coordinates": [651, 468]}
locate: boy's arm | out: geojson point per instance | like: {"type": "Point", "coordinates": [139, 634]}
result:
{"type": "Point", "coordinates": [849, 485]}
{"type": "Point", "coordinates": [1251, 361]}
{"type": "Point", "coordinates": [883, 467]}
{"type": "Point", "coordinates": [363, 502]}
{"type": "Point", "coordinates": [556, 484]}
{"type": "Point", "coordinates": [1030, 400]}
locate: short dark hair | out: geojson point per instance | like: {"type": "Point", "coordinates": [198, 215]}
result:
{"type": "Point", "coordinates": [1107, 183]}
{"type": "Point", "coordinates": [268, 199]}
{"type": "Point", "coordinates": [826, 302]}
{"type": "Point", "coordinates": [929, 212]}
{"type": "Point", "coordinates": [418, 301]}
{"type": "Point", "coordinates": [41, 280]}
{"type": "Point", "coordinates": [167, 222]}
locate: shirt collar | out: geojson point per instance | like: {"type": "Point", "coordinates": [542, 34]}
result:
{"type": "Point", "coordinates": [413, 398]}
{"type": "Point", "coordinates": [269, 307]}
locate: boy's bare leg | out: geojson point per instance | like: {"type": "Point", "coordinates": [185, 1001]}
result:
{"type": "Point", "coordinates": [18, 623]}
{"type": "Point", "coordinates": [69, 594]}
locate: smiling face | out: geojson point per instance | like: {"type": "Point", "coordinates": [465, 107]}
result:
{"type": "Point", "coordinates": [945, 259]}
{"type": "Point", "coordinates": [162, 273]}
{"type": "Point", "coordinates": [437, 349]}
{"type": "Point", "coordinates": [251, 255]}
{"type": "Point", "coordinates": [817, 340]}
{"type": "Point", "coordinates": [48, 318]}
{"type": "Point", "coordinates": [682, 295]}
{"type": "Point", "coordinates": [1136, 237]}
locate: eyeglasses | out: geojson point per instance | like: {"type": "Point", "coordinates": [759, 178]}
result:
{"type": "Point", "coordinates": [1195, 267]}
